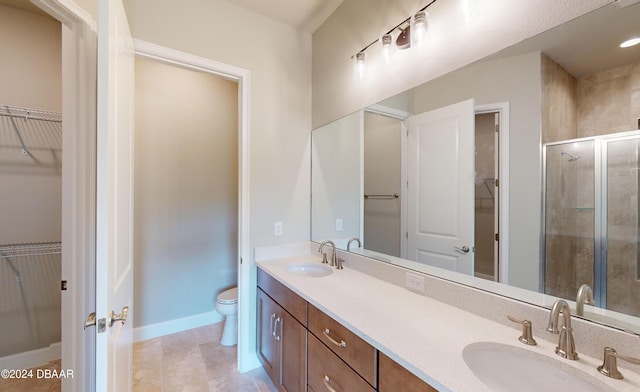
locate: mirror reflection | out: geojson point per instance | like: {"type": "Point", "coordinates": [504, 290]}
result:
{"type": "Point", "coordinates": [499, 171]}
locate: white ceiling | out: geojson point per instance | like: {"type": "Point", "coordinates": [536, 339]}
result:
{"type": "Point", "coordinates": [305, 15]}
{"type": "Point", "coordinates": [573, 44]}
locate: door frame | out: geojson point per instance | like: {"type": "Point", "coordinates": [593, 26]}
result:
{"type": "Point", "coordinates": [79, 62]}
{"type": "Point", "coordinates": [502, 108]}
{"type": "Point", "coordinates": [247, 358]}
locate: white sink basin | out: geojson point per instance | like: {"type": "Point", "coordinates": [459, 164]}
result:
{"type": "Point", "coordinates": [507, 368]}
{"type": "Point", "coordinates": [310, 270]}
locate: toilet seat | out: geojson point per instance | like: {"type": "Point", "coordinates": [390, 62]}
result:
{"type": "Point", "coordinates": [228, 296]}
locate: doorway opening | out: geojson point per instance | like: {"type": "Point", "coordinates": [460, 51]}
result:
{"type": "Point", "coordinates": [486, 206]}
{"type": "Point", "coordinates": [185, 193]}
{"type": "Point", "coordinates": [31, 174]}
{"type": "Point", "coordinates": [491, 202]}
{"type": "Point", "coordinates": [247, 358]}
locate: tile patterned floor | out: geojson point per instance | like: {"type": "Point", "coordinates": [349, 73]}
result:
{"type": "Point", "coordinates": [33, 384]}
{"type": "Point", "coordinates": [188, 361]}
{"type": "Point", "coordinates": [193, 361]}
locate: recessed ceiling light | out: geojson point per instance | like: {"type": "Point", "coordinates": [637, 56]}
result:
{"type": "Point", "coordinates": [630, 42]}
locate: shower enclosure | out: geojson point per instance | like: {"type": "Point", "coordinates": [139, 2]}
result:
{"type": "Point", "coordinates": [590, 219]}
{"type": "Point", "coordinates": [30, 236]}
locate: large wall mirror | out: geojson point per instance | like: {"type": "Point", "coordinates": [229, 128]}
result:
{"type": "Point", "coordinates": [516, 174]}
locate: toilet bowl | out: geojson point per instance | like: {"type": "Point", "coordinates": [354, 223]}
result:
{"type": "Point", "coordinates": [227, 305]}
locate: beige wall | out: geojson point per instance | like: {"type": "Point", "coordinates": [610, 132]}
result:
{"type": "Point", "coordinates": [484, 27]}
{"type": "Point", "coordinates": [30, 76]}
{"type": "Point", "coordinates": [382, 161]}
{"type": "Point", "coordinates": [336, 160]}
{"type": "Point", "coordinates": [279, 59]}
{"type": "Point", "coordinates": [31, 65]}
{"type": "Point", "coordinates": [186, 191]}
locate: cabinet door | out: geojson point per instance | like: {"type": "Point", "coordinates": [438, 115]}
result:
{"type": "Point", "coordinates": [292, 338]}
{"type": "Point", "coordinates": [393, 376]}
{"type": "Point", "coordinates": [267, 344]}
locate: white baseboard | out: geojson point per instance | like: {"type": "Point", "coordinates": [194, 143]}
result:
{"type": "Point", "coordinates": [31, 358]}
{"type": "Point", "coordinates": [250, 362]}
{"type": "Point", "coordinates": [178, 325]}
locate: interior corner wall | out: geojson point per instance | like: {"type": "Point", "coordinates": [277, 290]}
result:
{"type": "Point", "coordinates": [279, 60]}
{"type": "Point", "coordinates": [335, 161]}
{"type": "Point", "coordinates": [30, 76]}
{"type": "Point", "coordinates": [185, 191]}
{"type": "Point", "coordinates": [481, 28]}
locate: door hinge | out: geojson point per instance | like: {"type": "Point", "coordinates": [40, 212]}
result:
{"type": "Point", "coordinates": [497, 127]}
{"type": "Point", "coordinates": [63, 285]}
{"type": "Point", "coordinates": [497, 236]}
{"type": "Point", "coordinates": [497, 182]}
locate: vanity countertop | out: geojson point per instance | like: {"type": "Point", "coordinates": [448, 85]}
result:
{"type": "Point", "coordinates": [424, 335]}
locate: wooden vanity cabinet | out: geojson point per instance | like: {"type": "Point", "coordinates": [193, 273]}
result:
{"type": "Point", "coordinates": [319, 353]}
{"type": "Point", "coordinates": [327, 372]}
{"type": "Point", "coordinates": [393, 377]}
{"type": "Point", "coordinates": [357, 353]}
{"type": "Point", "coordinates": [282, 339]}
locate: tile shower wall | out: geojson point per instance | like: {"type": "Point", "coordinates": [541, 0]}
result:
{"type": "Point", "coordinates": [604, 103]}
{"type": "Point", "coordinates": [569, 219]}
{"type": "Point", "coordinates": [609, 101]}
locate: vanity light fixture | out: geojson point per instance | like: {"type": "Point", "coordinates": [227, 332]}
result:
{"type": "Point", "coordinates": [417, 23]}
{"type": "Point", "coordinates": [630, 42]}
{"type": "Point", "coordinates": [386, 46]}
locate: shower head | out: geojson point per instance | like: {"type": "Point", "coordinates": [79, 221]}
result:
{"type": "Point", "coordinates": [571, 156]}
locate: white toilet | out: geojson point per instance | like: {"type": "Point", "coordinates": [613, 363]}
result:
{"type": "Point", "coordinates": [227, 305]}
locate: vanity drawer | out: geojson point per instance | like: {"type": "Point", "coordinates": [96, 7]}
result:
{"type": "Point", "coordinates": [326, 371]}
{"type": "Point", "coordinates": [393, 375]}
{"type": "Point", "coordinates": [357, 353]}
{"type": "Point", "coordinates": [290, 301]}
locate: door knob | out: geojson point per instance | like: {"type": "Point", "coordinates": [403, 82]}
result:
{"type": "Point", "coordinates": [122, 317]}
{"type": "Point", "coordinates": [90, 321]}
{"type": "Point", "coordinates": [464, 249]}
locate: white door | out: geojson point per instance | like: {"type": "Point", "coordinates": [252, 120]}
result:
{"type": "Point", "coordinates": [114, 215]}
{"type": "Point", "coordinates": [440, 197]}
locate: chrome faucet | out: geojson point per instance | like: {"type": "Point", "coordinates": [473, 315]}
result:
{"type": "Point", "coordinates": [566, 347]}
{"type": "Point", "coordinates": [334, 261]}
{"type": "Point", "coordinates": [585, 296]}
{"type": "Point", "coordinates": [351, 240]}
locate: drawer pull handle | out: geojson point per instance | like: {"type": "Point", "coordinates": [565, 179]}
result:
{"type": "Point", "coordinates": [326, 380]}
{"type": "Point", "coordinates": [271, 328]}
{"type": "Point", "coordinates": [275, 328]}
{"type": "Point", "coordinates": [341, 343]}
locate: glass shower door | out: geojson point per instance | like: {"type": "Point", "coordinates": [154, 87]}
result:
{"type": "Point", "coordinates": [619, 273]}
{"type": "Point", "coordinates": [569, 217]}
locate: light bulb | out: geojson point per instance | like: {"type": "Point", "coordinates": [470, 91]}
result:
{"type": "Point", "coordinates": [420, 26]}
{"type": "Point", "coordinates": [360, 64]}
{"type": "Point", "coordinates": [630, 42]}
{"type": "Point", "coordinates": [386, 47]}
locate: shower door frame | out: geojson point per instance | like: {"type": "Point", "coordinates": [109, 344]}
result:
{"type": "Point", "coordinates": [600, 156]}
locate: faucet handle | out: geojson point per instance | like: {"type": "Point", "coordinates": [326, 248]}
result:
{"type": "Point", "coordinates": [339, 262]}
{"type": "Point", "coordinates": [324, 258]}
{"type": "Point", "coordinates": [609, 365]}
{"type": "Point", "coordinates": [527, 335]}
